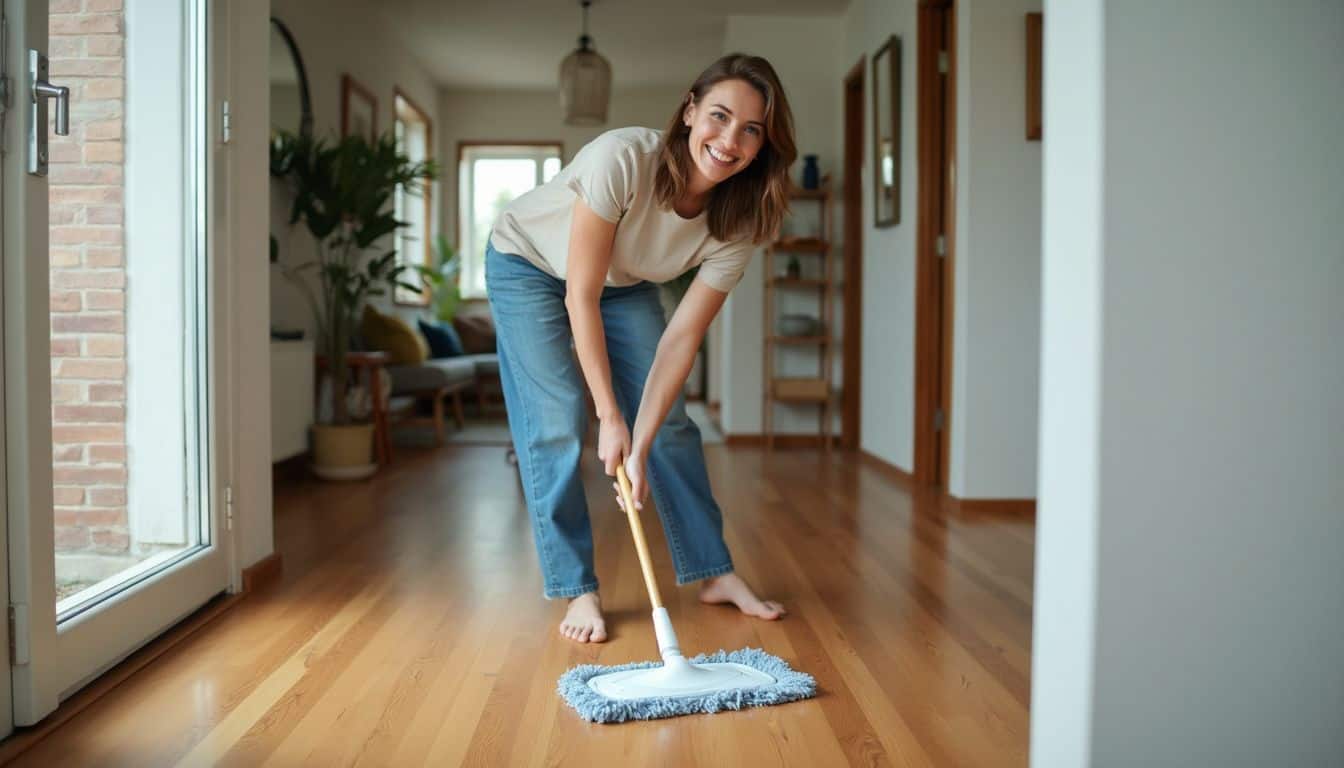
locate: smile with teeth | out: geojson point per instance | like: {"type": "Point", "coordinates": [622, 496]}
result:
{"type": "Point", "coordinates": [719, 157]}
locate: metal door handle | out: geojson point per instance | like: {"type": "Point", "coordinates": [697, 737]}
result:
{"type": "Point", "coordinates": [42, 90]}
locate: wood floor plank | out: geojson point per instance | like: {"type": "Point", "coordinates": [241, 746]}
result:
{"type": "Point", "coordinates": [408, 628]}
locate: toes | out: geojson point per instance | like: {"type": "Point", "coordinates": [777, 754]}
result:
{"type": "Point", "coordinates": [582, 634]}
{"type": "Point", "coordinates": [769, 609]}
{"type": "Point", "coordinates": [599, 634]}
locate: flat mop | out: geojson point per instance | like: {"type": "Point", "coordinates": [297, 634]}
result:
{"type": "Point", "coordinates": [707, 683]}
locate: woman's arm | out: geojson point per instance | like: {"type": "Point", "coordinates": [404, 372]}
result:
{"type": "Point", "coordinates": [590, 239]}
{"type": "Point", "coordinates": [673, 360]}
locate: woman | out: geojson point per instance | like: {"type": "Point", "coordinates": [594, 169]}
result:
{"type": "Point", "coordinates": [580, 258]}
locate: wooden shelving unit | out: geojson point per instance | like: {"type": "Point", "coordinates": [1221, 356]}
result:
{"type": "Point", "coordinates": [792, 389]}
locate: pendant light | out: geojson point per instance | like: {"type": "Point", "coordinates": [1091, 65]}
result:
{"type": "Point", "coordinates": [585, 81]}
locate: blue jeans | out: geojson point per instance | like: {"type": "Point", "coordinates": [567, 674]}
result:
{"type": "Point", "coordinates": [543, 391]}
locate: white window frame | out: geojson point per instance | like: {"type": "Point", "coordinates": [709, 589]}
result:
{"type": "Point", "coordinates": [473, 264]}
{"type": "Point", "coordinates": [415, 243]}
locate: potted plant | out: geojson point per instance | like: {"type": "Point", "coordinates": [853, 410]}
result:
{"type": "Point", "coordinates": [343, 195]}
{"type": "Point", "coordinates": [445, 293]}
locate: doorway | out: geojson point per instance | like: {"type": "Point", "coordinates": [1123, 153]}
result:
{"type": "Point", "coordinates": [934, 246]}
{"type": "Point", "coordinates": [852, 362]}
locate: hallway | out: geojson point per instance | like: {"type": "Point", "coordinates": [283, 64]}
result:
{"type": "Point", "coordinates": [408, 628]}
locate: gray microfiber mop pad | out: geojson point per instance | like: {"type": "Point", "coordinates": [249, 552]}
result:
{"type": "Point", "coordinates": [594, 707]}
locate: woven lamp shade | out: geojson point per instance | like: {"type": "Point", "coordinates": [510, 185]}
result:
{"type": "Point", "coordinates": [585, 87]}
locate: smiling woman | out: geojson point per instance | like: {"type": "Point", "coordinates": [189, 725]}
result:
{"type": "Point", "coordinates": [572, 272]}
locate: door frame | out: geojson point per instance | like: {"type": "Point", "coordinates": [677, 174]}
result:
{"type": "Point", "coordinates": [12, 63]}
{"type": "Point", "coordinates": [851, 422]}
{"type": "Point", "coordinates": [53, 661]}
{"type": "Point", "coordinates": [934, 274]}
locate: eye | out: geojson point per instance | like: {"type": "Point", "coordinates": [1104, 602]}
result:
{"type": "Point", "coordinates": [719, 116]}
{"type": "Point", "coordinates": [753, 130]}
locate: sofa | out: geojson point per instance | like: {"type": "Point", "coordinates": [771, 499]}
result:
{"type": "Point", "coordinates": [420, 392]}
{"type": "Point", "coordinates": [444, 378]}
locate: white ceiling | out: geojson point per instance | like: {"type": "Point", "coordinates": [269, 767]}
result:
{"type": "Point", "coordinates": [520, 43]}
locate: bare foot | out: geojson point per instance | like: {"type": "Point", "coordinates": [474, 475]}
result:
{"type": "Point", "coordinates": [730, 588]}
{"type": "Point", "coordinates": [583, 621]}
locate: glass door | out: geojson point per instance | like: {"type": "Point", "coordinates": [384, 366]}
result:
{"type": "Point", "coordinates": [115, 464]}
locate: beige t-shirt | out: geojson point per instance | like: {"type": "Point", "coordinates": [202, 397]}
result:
{"type": "Point", "coordinates": [613, 174]}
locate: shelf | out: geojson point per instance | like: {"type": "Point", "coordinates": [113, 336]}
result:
{"type": "Point", "coordinates": [806, 387]}
{"type": "Point", "coordinates": [798, 281]}
{"type": "Point", "coordinates": [800, 390]}
{"type": "Point", "coordinates": [801, 244]}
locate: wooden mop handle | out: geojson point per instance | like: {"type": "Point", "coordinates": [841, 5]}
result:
{"type": "Point", "coordinates": [645, 564]}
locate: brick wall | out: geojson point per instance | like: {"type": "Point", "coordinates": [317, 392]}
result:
{"type": "Point", "coordinates": [88, 288]}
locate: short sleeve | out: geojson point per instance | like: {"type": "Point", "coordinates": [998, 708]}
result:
{"type": "Point", "coordinates": [602, 175]}
{"type": "Point", "coordinates": [722, 269]}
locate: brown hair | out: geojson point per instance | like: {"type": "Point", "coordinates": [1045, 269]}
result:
{"type": "Point", "coordinates": [752, 202]}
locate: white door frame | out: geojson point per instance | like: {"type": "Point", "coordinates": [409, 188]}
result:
{"type": "Point", "coordinates": [9, 62]}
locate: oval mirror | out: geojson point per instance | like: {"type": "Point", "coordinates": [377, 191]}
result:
{"type": "Point", "coordinates": [291, 109]}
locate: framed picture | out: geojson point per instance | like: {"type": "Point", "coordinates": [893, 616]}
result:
{"type": "Point", "coordinates": [359, 110]}
{"type": "Point", "coordinates": [887, 134]}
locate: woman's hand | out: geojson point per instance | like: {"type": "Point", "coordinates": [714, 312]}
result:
{"type": "Point", "coordinates": [639, 489]}
{"type": "Point", "coordinates": [613, 442]}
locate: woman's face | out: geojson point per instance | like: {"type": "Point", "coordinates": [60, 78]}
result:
{"type": "Point", "coordinates": [727, 129]}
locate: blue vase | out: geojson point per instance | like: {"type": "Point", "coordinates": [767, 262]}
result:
{"type": "Point", "coordinates": [811, 178]}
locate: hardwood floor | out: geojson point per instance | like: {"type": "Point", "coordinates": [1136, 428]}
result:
{"type": "Point", "coordinates": [409, 628]}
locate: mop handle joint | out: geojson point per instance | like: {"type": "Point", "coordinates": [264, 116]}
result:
{"type": "Point", "coordinates": [667, 637]}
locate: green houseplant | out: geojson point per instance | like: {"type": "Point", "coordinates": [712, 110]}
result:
{"type": "Point", "coordinates": [343, 194]}
{"type": "Point", "coordinates": [445, 292]}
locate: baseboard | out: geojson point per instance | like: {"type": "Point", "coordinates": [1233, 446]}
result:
{"type": "Point", "coordinates": [1016, 509]}
{"type": "Point", "coordinates": [886, 468]}
{"type": "Point", "coordinates": [781, 441]}
{"type": "Point", "coordinates": [262, 573]}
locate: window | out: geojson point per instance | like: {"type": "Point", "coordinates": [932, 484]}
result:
{"type": "Point", "coordinates": [412, 129]}
{"type": "Point", "coordinates": [490, 176]}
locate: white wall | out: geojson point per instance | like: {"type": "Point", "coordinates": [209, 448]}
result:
{"type": "Point", "coordinates": [803, 52]}
{"type": "Point", "coordinates": [996, 319]}
{"type": "Point", "coordinates": [1192, 425]}
{"type": "Point", "coordinates": [337, 37]}
{"type": "Point", "coordinates": [533, 116]}
{"type": "Point", "coordinates": [888, 380]}
{"type": "Point", "coordinates": [1067, 509]}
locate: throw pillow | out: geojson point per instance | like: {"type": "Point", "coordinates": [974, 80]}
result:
{"type": "Point", "coordinates": [391, 334]}
{"type": "Point", "coordinates": [477, 333]}
{"type": "Point", "coordinates": [443, 340]}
